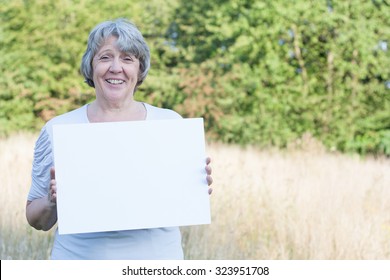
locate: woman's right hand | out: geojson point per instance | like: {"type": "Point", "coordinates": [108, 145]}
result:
{"type": "Point", "coordinates": [52, 195]}
{"type": "Point", "coordinates": [41, 212]}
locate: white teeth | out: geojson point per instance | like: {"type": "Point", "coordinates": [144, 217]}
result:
{"type": "Point", "coordinates": [115, 82]}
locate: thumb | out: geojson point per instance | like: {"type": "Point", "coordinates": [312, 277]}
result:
{"type": "Point", "coordinates": [52, 173]}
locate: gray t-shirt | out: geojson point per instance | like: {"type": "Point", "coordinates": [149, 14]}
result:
{"type": "Point", "coordinates": [157, 243]}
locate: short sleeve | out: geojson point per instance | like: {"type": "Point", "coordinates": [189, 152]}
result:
{"type": "Point", "coordinates": [156, 113]}
{"type": "Point", "coordinates": [42, 162]}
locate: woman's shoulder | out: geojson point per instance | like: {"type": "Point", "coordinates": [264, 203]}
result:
{"type": "Point", "coordinates": [78, 115]}
{"type": "Point", "coordinates": [157, 113]}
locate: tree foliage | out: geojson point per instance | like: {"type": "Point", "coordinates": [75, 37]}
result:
{"type": "Point", "coordinates": [284, 68]}
{"type": "Point", "coordinates": [259, 72]}
{"type": "Point", "coordinates": [41, 45]}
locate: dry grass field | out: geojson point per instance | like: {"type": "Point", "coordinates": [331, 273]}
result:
{"type": "Point", "coordinates": [17, 239]}
{"type": "Point", "coordinates": [303, 203]}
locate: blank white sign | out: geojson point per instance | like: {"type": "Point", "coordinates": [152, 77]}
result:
{"type": "Point", "coordinates": [130, 175]}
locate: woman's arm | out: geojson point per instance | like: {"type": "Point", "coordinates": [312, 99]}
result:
{"type": "Point", "coordinates": [41, 213]}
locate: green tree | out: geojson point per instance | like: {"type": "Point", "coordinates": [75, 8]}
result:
{"type": "Point", "coordinates": [260, 72]}
{"type": "Point", "coordinates": [303, 66]}
{"type": "Point", "coordinates": [41, 45]}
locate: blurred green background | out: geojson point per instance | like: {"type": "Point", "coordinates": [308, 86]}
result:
{"type": "Point", "coordinates": [259, 72]}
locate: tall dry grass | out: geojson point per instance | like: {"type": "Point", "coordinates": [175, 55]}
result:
{"type": "Point", "coordinates": [301, 204]}
{"type": "Point", "coordinates": [17, 239]}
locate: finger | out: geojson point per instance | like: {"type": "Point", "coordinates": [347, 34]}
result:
{"type": "Point", "coordinates": [208, 160]}
{"type": "Point", "coordinates": [52, 173]}
{"type": "Point", "coordinates": [210, 190]}
{"type": "Point", "coordinates": [54, 198]}
{"type": "Point", "coordinates": [53, 191]}
{"type": "Point", "coordinates": [53, 185]}
{"type": "Point", "coordinates": [209, 180]}
{"type": "Point", "coordinates": [52, 195]}
{"type": "Point", "coordinates": [208, 169]}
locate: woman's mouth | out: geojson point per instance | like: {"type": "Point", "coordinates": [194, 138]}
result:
{"type": "Point", "coordinates": [114, 81]}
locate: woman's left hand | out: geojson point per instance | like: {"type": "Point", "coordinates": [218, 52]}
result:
{"type": "Point", "coordinates": [208, 171]}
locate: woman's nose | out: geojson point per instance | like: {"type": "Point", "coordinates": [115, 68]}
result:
{"type": "Point", "coordinates": [116, 66]}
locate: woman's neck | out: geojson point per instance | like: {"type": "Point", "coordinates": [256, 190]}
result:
{"type": "Point", "coordinates": [134, 111]}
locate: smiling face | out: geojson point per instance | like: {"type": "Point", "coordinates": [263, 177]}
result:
{"type": "Point", "coordinates": [115, 74]}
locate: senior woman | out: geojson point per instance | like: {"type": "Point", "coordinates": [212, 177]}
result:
{"type": "Point", "coordinates": [115, 63]}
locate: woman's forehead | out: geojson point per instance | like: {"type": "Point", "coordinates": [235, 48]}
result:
{"type": "Point", "coordinates": [109, 43]}
{"type": "Point", "coordinates": [113, 43]}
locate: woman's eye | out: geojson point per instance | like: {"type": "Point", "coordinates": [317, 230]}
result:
{"type": "Point", "coordinates": [104, 57]}
{"type": "Point", "coordinates": [128, 58]}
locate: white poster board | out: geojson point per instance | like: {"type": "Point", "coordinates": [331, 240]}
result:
{"type": "Point", "coordinates": [130, 175]}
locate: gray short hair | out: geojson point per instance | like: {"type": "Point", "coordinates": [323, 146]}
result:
{"type": "Point", "coordinates": [130, 40]}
